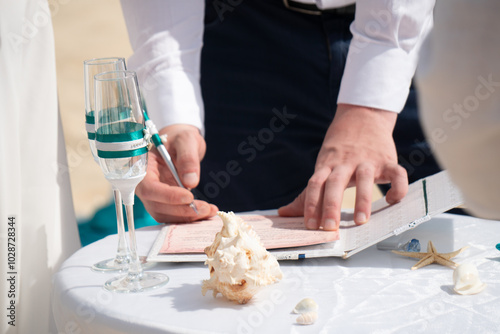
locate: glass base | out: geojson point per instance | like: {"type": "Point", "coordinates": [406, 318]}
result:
{"type": "Point", "coordinates": [136, 283]}
{"type": "Point", "coordinates": [111, 265]}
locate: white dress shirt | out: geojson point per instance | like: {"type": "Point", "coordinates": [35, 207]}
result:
{"type": "Point", "coordinates": [167, 36]}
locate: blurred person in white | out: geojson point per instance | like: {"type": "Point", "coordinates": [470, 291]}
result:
{"type": "Point", "coordinates": [34, 180]}
{"type": "Point", "coordinates": [459, 84]}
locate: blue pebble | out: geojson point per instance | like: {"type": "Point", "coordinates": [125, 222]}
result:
{"type": "Point", "coordinates": [413, 246]}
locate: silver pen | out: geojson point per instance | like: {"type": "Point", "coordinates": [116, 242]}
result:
{"type": "Point", "coordinates": [164, 154]}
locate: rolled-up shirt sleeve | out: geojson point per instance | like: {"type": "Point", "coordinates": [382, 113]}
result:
{"type": "Point", "coordinates": [383, 54]}
{"type": "Point", "coordinates": [167, 37]}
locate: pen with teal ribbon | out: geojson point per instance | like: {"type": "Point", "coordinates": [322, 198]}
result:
{"type": "Point", "coordinates": [155, 137]}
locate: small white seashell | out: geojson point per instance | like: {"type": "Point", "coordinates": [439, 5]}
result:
{"type": "Point", "coordinates": [307, 318]}
{"type": "Point", "coordinates": [306, 305]}
{"type": "Point", "coordinates": [466, 280]}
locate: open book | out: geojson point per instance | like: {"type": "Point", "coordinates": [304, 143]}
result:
{"type": "Point", "coordinates": [288, 239]}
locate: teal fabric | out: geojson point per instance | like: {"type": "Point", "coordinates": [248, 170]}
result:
{"type": "Point", "coordinates": [103, 223]}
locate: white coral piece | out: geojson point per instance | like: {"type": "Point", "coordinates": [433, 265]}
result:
{"type": "Point", "coordinates": [238, 262]}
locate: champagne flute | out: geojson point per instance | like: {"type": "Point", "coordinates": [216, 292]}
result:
{"type": "Point", "coordinates": [122, 151]}
{"type": "Point", "coordinates": [91, 68]}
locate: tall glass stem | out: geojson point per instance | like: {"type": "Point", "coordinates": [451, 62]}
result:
{"type": "Point", "coordinates": [136, 279]}
{"type": "Point", "coordinates": [122, 251]}
{"type": "Point", "coordinates": [135, 268]}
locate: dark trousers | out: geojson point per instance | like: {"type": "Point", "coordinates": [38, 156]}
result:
{"type": "Point", "coordinates": [270, 79]}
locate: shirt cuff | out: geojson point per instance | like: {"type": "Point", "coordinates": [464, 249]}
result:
{"type": "Point", "coordinates": [329, 4]}
{"type": "Point", "coordinates": [377, 76]}
{"type": "Point", "coordinates": [383, 53]}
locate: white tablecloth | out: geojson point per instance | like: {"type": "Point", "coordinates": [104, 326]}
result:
{"type": "Point", "coordinates": [373, 292]}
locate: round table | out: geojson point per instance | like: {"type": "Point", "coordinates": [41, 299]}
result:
{"type": "Point", "coordinates": [374, 291]}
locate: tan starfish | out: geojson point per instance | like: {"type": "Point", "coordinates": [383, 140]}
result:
{"type": "Point", "coordinates": [432, 256]}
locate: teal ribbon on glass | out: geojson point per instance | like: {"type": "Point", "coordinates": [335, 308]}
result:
{"type": "Point", "coordinates": [90, 125]}
{"type": "Point", "coordinates": [120, 140]}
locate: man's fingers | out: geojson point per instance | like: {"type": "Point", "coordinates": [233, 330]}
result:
{"type": "Point", "coordinates": [154, 190]}
{"type": "Point", "coordinates": [364, 188]}
{"type": "Point", "coordinates": [164, 213]}
{"type": "Point", "coordinates": [314, 198]}
{"type": "Point", "coordinates": [332, 200]}
{"type": "Point", "coordinates": [187, 147]}
{"type": "Point", "coordinates": [181, 210]}
{"type": "Point", "coordinates": [399, 183]}
{"type": "Point", "coordinates": [205, 210]}
{"type": "Point", "coordinates": [159, 192]}
{"type": "Point", "coordinates": [295, 208]}
{"type": "Point", "coordinates": [187, 161]}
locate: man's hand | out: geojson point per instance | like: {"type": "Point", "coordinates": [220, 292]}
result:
{"type": "Point", "coordinates": [162, 198]}
{"type": "Point", "coordinates": [358, 150]}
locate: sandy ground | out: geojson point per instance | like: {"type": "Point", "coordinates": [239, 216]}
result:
{"type": "Point", "coordinates": [84, 29]}
{"type": "Point", "coordinates": [87, 29]}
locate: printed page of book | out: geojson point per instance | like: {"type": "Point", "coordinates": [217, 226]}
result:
{"type": "Point", "coordinates": [274, 232]}
{"type": "Point", "coordinates": [426, 198]}
{"type": "Point", "coordinates": [442, 194]}
{"type": "Point", "coordinates": [287, 239]}
{"type": "Point", "coordinates": [384, 219]}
